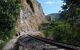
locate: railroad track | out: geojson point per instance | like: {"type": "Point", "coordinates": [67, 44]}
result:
{"type": "Point", "coordinates": [28, 42]}
{"type": "Point", "coordinates": [59, 45]}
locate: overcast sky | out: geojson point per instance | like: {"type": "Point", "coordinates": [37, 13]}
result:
{"type": "Point", "coordinates": [51, 6]}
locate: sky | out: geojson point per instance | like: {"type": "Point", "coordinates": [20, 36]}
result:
{"type": "Point", "coordinates": [51, 6]}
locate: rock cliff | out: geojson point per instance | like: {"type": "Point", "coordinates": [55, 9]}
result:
{"type": "Point", "coordinates": [31, 16]}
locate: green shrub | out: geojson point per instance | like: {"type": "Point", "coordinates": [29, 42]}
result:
{"type": "Point", "coordinates": [61, 31]}
{"type": "Point", "coordinates": [9, 10]}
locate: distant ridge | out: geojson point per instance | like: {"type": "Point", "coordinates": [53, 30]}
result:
{"type": "Point", "coordinates": [53, 16]}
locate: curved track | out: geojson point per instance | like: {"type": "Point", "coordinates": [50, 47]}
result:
{"type": "Point", "coordinates": [59, 45]}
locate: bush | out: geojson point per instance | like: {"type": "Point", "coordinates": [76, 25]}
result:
{"type": "Point", "coordinates": [9, 10]}
{"type": "Point", "coordinates": [61, 31]}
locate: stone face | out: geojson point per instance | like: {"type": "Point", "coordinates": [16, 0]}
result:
{"type": "Point", "coordinates": [31, 16]}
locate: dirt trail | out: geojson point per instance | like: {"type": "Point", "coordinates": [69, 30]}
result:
{"type": "Point", "coordinates": [10, 44]}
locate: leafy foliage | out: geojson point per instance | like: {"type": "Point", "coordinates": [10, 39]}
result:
{"type": "Point", "coordinates": [9, 10]}
{"type": "Point", "coordinates": [71, 13]}
{"type": "Point", "coordinates": [61, 31]}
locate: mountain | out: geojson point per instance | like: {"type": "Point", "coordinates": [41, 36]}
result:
{"type": "Point", "coordinates": [53, 16]}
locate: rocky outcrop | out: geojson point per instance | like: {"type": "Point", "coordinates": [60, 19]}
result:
{"type": "Point", "coordinates": [31, 16]}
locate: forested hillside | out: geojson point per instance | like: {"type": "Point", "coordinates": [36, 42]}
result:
{"type": "Point", "coordinates": [53, 16]}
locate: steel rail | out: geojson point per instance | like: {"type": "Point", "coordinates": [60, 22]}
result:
{"type": "Point", "coordinates": [60, 45]}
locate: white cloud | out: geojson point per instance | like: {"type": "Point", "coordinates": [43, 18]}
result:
{"type": "Point", "coordinates": [49, 2]}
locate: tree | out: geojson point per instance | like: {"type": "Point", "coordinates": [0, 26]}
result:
{"type": "Point", "coordinates": [71, 13]}
{"type": "Point", "coordinates": [9, 10]}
